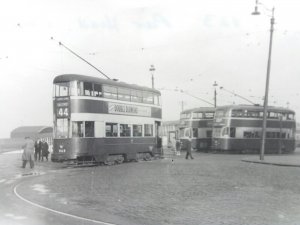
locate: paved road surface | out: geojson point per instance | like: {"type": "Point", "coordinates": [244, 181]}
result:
{"type": "Point", "coordinates": [211, 189]}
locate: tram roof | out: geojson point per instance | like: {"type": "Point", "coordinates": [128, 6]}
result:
{"type": "Point", "coordinates": [256, 107]}
{"type": "Point", "coordinates": [73, 77]}
{"type": "Point", "coordinates": [199, 109]}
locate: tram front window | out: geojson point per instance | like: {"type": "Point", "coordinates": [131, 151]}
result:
{"type": "Point", "coordinates": [61, 89]}
{"type": "Point", "coordinates": [61, 128]}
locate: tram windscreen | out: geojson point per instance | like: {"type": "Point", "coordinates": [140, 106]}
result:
{"type": "Point", "coordinates": [61, 89]}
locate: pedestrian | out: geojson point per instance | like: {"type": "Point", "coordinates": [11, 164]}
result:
{"type": "Point", "coordinates": [45, 150]}
{"type": "Point", "coordinates": [37, 150]}
{"type": "Point", "coordinates": [28, 152]}
{"type": "Point", "coordinates": [189, 148]}
{"type": "Point", "coordinates": [178, 147]}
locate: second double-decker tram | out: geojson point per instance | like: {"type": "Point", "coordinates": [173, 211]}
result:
{"type": "Point", "coordinates": [238, 128]}
{"type": "Point", "coordinates": [197, 124]}
{"type": "Point", "coordinates": [99, 119]}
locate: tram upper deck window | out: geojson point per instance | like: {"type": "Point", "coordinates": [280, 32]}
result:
{"type": "Point", "coordinates": [237, 113]}
{"type": "Point", "coordinates": [87, 88]}
{"type": "Point", "coordinates": [148, 97]}
{"type": "Point", "coordinates": [253, 114]}
{"type": "Point", "coordinates": [124, 94]}
{"type": "Point", "coordinates": [290, 116]}
{"type": "Point", "coordinates": [110, 92]}
{"type": "Point", "coordinates": [97, 90]}
{"type": "Point", "coordinates": [209, 115]}
{"type": "Point", "coordinates": [136, 96]}
{"type": "Point", "coordinates": [61, 89]}
{"type": "Point", "coordinates": [220, 113]}
{"type": "Point", "coordinates": [157, 100]}
{"type": "Point", "coordinates": [273, 115]}
{"type": "Point", "coordinates": [185, 116]}
{"type": "Point", "coordinates": [197, 115]}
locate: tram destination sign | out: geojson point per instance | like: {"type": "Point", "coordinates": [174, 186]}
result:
{"type": "Point", "coordinates": [125, 109]}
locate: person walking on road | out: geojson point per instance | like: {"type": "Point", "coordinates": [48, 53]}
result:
{"type": "Point", "coordinates": [28, 152]}
{"type": "Point", "coordinates": [45, 150]}
{"type": "Point", "coordinates": [189, 149]}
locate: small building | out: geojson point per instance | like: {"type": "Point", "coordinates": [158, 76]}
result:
{"type": "Point", "coordinates": [35, 132]}
{"type": "Point", "coordinates": [17, 136]}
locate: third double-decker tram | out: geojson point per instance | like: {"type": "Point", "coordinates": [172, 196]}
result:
{"type": "Point", "coordinates": [99, 119]}
{"type": "Point", "coordinates": [197, 124]}
{"type": "Point", "coordinates": [238, 128]}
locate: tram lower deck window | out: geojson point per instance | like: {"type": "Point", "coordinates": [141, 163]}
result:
{"type": "Point", "coordinates": [125, 130]}
{"type": "Point", "coordinates": [111, 129]}
{"type": "Point", "coordinates": [148, 130]}
{"type": "Point", "coordinates": [77, 129]}
{"type": "Point", "coordinates": [89, 129]}
{"type": "Point", "coordinates": [137, 130]}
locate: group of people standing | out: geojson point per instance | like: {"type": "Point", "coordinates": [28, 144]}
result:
{"type": "Point", "coordinates": [41, 150]}
{"type": "Point", "coordinates": [33, 151]}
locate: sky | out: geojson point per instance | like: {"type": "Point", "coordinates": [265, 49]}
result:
{"type": "Point", "coordinates": [191, 43]}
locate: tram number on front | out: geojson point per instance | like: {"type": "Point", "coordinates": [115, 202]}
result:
{"type": "Point", "coordinates": [63, 112]}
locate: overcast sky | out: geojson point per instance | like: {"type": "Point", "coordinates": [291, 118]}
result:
{"type": "Point", "coordinates": [192, 44]}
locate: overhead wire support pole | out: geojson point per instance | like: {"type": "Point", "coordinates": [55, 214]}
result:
{"type": "Point", "coordinates": [267, 89]}
{"type": "Point", "coordinates": [264, 126]}
{"type": "Point", "coordinates": [60, 43]}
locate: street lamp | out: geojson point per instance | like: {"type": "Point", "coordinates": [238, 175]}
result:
{"type": "Point", "coordinates": [262, 150]}
{"type": "Point", "coordinates": [152, 69]}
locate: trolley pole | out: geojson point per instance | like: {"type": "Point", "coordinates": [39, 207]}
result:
{"type": "Point", "coordinates": [152, 69]}
{"type": "Point", "coordinates": [262, 150]}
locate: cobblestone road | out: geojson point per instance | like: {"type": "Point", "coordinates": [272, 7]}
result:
{"type": "Point", "coordinates": [211, 189]}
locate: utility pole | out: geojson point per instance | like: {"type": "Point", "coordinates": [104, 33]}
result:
{"type": "Point", "coordinates": [152, 69]}
{"type": "Point", "coordinates": [262, 150]}
{"type": "Point", "coordinates": [215, 94]}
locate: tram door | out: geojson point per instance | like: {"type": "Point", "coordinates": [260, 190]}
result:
{"type": "Point", "coordinates": [158, 139]}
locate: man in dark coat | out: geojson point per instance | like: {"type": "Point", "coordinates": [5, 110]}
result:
{"type": "Point", "coordinates": [37, 150]}
{"type": "Point", "coordinates": [189, 148]}
{"type": "Point", "coordinates": [45, 150]}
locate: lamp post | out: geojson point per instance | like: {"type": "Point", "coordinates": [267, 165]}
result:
{"type": "Point", "coordinates": [152, 69]}
{"type": "Point", "coordinates": [262, 149]}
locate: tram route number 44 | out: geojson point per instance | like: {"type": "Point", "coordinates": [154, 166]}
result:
{"type": "Point", "coordinates": [62, 112]}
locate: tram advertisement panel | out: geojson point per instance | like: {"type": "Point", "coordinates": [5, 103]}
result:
{"type": "Point", "coordinates": [126, 109]}
{"type": "Point", "coordinates": [62, 107]}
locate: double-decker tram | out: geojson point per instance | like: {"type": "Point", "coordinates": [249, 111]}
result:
{"type": "Point", "coordinates": [238, 128]}
{"type": "Point", "coordinates": [104, 120]}
{"type": "Point", "coordinates": [197, 124]}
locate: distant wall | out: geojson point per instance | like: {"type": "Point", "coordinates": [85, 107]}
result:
{"type": "Point", "coordinates": [11, 143]}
